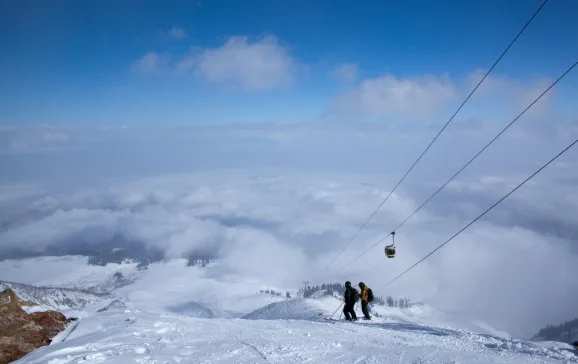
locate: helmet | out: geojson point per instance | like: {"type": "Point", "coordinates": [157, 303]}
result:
{"type": "Point", "coordinates": [361, 284]}
{"type": "Point", "coordinates": [348, 284]}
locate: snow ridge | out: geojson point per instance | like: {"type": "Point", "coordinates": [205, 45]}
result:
{"type": "Point", "coordinates": [59, 299]}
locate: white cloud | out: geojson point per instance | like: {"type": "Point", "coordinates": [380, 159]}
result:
{"type": "Point", "coordinates": [147, 63]}
{"type": "Point", "coordinates": [150, 63]}
{"type": "Point", "coordinates": [347, 72]}
{"type": "Point", "coordinates": [178, 33]}
{"type": "Point", "coordinates": [513, 95]}
{"type": "Point", "coordinates": [27, 140]}
{"type": "Point", "coordinates": [431, 98]}
{"type": "Point", "coordinates": [257, 65]}
{"type": "Point", "coordinates": [389, 96]}
{"type": "Point", "coordinates": [240, 63]}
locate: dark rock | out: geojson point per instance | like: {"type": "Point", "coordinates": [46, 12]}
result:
{"type": "Point", "coordinates": [20, 332]}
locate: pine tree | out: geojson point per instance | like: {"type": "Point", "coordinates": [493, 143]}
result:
{"type": "Point", "coordinates": [389, 301]}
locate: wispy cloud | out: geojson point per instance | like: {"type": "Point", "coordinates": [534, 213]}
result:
{"type": "Point", "coordinates": [428, 98]}
{"type": "Point", "coordinates": [347, 73]}
{"type": "Point", "coordinates": [178, 33]}
{"type": "Point", "coordinates": [389, 96]}
{"type": "Point", "coordinates": [150, 63]}
{"type": "Point", "coordinates": [257, 65]}
{"type": "Point", "coordinates": [242, 63]}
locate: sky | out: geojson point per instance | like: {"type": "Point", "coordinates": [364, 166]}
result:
{"type": "Point", "coordinates": [207, 62]}
{"type": "Point", "coordinates": [270, 131]}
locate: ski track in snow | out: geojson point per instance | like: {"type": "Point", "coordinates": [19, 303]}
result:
{"type": "Point", "coordinates": [144, 338]}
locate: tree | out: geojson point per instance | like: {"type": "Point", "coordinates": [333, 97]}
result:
{"type": "Point", "coordinates": [287, 294]}
{"type": "Point", "coordinates": [389, 301]}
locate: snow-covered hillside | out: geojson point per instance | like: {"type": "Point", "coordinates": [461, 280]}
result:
{"type": "Point", "coordinates": [171, 313]}
{"type": "Point", "coordinates": [128, 337]}
{"type": "Point", "coordinates": [59, 299]}
{"type": "Point", "coordinates": [297, 309]}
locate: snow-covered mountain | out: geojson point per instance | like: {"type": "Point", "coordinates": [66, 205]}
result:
{"type": "Point", "coordinates": [122, 337]}
{"type": "Point", "coordinates": [174, 313]}
{"type": "Point", "coordinates": [59, 299]}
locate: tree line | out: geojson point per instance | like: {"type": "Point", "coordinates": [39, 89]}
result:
{"type": "Point", "coordinates": [274, 293]}
{"type": "Point", "coordinates": [567, 331]}
{"type": "Point", "coordinates": [331, 289]}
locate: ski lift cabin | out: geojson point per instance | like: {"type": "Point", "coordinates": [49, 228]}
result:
{"type": "Point", "coordinates": [390, 249]}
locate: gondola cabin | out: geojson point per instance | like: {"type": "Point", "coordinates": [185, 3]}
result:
{"type": "Point", "coordinates": [390, 251]}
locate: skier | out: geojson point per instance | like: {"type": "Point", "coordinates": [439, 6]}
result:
{"type": "Point", "coordinates": [366, 297]}
{"type": "Point", "coordinates": [351, 296]}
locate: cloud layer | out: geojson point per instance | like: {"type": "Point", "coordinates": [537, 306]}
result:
{"type": "Point", "coordinates": [278, 202]}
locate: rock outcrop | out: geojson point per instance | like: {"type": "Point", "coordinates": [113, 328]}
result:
{"type": "Point", "coordinates": [20, 332]}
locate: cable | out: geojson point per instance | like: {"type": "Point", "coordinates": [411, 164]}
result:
{"type": "Point", "coordinates": [485, 212]}
{"type": "Point", "coordinates": [468, 163]}
{"type": "Point", "coordinates": [439, 133]}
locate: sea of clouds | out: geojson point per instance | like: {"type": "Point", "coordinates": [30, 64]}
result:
{"type": "Point", "coordinates": [278, 202]}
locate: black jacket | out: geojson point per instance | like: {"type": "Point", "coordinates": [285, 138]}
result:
{"type": "Point", "coordinates": [350, 295]}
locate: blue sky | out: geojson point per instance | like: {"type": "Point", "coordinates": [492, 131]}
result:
{"type": "Point", "coordinates": [75, 62]}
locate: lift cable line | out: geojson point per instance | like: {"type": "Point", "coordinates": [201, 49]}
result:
{"type": "Point", "coordinates": [439, 133]}
{"type": "Point", "coordinates": [480, 216]}
{"type": "Point", "coordinates": [469, 162]}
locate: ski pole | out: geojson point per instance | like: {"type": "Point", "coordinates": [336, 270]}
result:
{"type": "Point", "coordinates": [337, 310]}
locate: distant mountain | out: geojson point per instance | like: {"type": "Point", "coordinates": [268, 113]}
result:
{"type": "Point", "coordinates": [135, 253]}
{"type": "Point", "coordinates": [117, 249]}
{"type": "Point", "coordinates": [566, 332]}
{"type": "Point", "coordinates": [57, 298]}
{"type": "Point", "coordinates": [129, 253]}
{"type": "Point", "coordinates": [112, 282]}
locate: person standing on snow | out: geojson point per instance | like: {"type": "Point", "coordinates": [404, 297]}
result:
{"type": "Point", "coordinates": [350, 297]}
{"type": "Point", "coordinates": [366, 297]}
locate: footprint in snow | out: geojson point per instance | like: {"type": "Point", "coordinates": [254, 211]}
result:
{"type": "Point", "coordinates": [94, 357]}
{"type": "Point", "coordinates": [140, 350]}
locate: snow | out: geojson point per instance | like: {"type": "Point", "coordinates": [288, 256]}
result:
{"type": "Point", "coordinates": [139, 337]}
{"type": "Point", "coordinates": [298, 309]}
{"type": "Point", "coordinates": [172, 313]}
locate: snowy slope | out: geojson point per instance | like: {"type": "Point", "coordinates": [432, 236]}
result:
{"type": "Point", "coordinates": [171, 313]}
{"type": "Point", "coordinates": [297, 309]}
{"type": "Point", "coordinates": [151, 338]}
{"type": "Point", "coordinates": [325, 306]}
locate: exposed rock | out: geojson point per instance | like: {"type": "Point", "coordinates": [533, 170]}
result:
{"type": "Point", "coordinates": [20, 332]}
{"type": "Point", "coordinates": [114, 305]}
